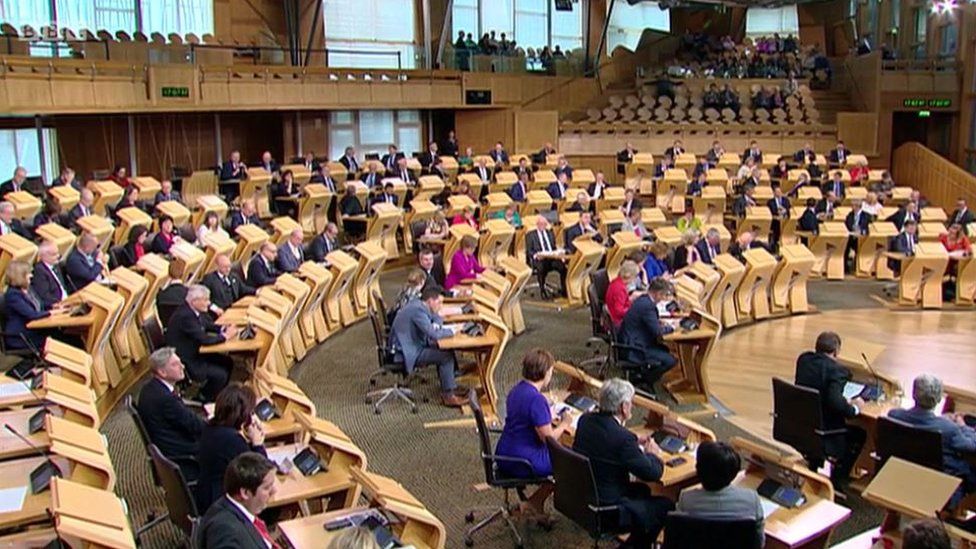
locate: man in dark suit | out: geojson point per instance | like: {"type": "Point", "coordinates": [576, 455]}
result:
{"type": "Point", "coordinates": [825, 206]}
{"type": "Point", "coordinates": [385, 197]}
{"type": "Point", "coordinates": [84, 208]}
{"type": "Point", "coordinates": [710, 246]}
{"type": "Point", "coordinates": [597, 188]}
{"type": "Point", "coordinates": [10, 225]}
{"type": "Point", "coordinates": [523, 168]}
{"type": "Point", "coordinates": [626, 156]}
{"type": "Point", "coordinates": [754, 153]}
{"type": "Point", "coordinates": [836, 185]}
{"type": "Point", "coordinates": [557, 189]}
{"type": "Point", "coordinates": [291, 255]}
{"type": "Point", "coordinates": [232, 520]}
{"type": "Point", "coordinates": [857, 223]}
{"type": "Point", "coordinates": [499, 156]}
{"type": "Point", "coordinates": [484, 174]}
{"type": "Point", "coordinates": [518, 191]}
{"type": "Point", "coordinates": [674, 150]}
{"type": "Point", "coordinates": [642, 330]}
{"type": "Point", "coordinates": [261, 270]}
{"type": "Point", "coordinates": [904, 214]}
{"type": "Point", "coordinates": [563, 168]}
{"type": "Point", "coordinates": [779, 207]}
{"type": "Point", "coordinates": [805, 156]}
{"type": "Point", "coordinates": [172, 426]}
{"type": "Point", "coordinates": [225, 286]}
{"type": "Point", "coordinates": [85, 263]}
{"type": "Point", "coordinates": [233, 168]}
{"type": "Point", "coordinates": [14, 184]}
{"type": "Point", "coordinates": [173, 296]}
{"type": "Point", "coordinates": [427, 157]}
{"type": "Point", "coordinates": [247, 215]}
{"type": "Point", "coordinates": [349, 161]}
{"type": "Point", "coordinates": [434, 274]}
{"type": "Point", "coordinates": [538, 244]}
{"type": "Point", "coordinates": [268, 163]}
{"type": "Point", "coordinates": [324, 244]}
{"type": "Point", "coordinates": [819, 370]}
{"type": "Point", "coordinates": [962, 215]}
{"type": "Point", "coordinates": [191, 327]}
{"type": "Point", "coordinates": [373, 178]}
{"type": "Point", "coordinates": [904, 243]}
{"type": "Point", "coordinates": [583, 227]}
{"type": "Point", "coordinates": [544, 153]}
{"type": "Point", "coordinates": [809, 221]}
{"type": "Point", "coordinates": [48, 282]}
{"type": "Point", "coordinates": [67, 178]}
{"type": "Point", "coordinates": [631, 202]}
{"type": "Point", "coordinates": [391, 158]}
{"type": "Point", "coordinates": [838, 155]}
{"type": "Point", "coordinates": [616, 454]}
{"type": "Point", "coordinates": [323, 176]}
{"type": "Point", "coordinates": [744, 240]}
{"type": "Point", "coordinates": [166, 193]}
{"type": "Point", "coordinates": [745, 201]}
{"type": "Point", "coordinates": [404, 174]}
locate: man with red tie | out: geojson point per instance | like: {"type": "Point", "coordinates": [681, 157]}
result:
{"type": "Point", "coordinates": [233, 521]}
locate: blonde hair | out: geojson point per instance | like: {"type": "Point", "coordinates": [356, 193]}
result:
{"type": "Point", "coordinates": [688, 237]}
{"type": "Point", "coordinates": [628, 270]}
{"type": "Point", "coordinates": [469, 241]}
{"type": "Point", "coordinates": [658, 249]}
{"type": "Point", "coordinates": [18, 274]}
{"type": "Point", "coordinates": [416, 277]}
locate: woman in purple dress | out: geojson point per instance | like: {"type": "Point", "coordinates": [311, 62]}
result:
{"type": "Point", "coordinates": [528, 421]}
{"type": "Point", "coordinates": [464, 264]}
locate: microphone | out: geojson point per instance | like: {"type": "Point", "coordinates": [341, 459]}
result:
{"type": "Point", "coordinates": [876, 392]}
{"type": "Point", "coordinates": [40, 477]}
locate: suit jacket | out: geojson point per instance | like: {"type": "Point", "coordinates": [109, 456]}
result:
{"type": "Point", "coordinates": [320, 247]}
{"type": "Point", "coordinates": [227, 171]}
{"type": "Point", "coordinates": [173, 196]}
{"type": "Point", "coordinates": [187, 331]}
{"type": "Point", "coordinates": [435, 277]}
{"type": "Point", "coordinates": [862, 223]}
{"type": "Point", "coordinates": [964, 218]}
{"type": "Point", "coordinates": [641, 328]}
{"type": "Point", "coordinates": [741, 206]}
{"type": "Point", "coordinates": [533, 244]}
{"type": "Point", "coordinates": [287, 261]}
{"type": "Point", "coordinates": [237, 219]}
{"type": "Point", "coordinates": [517, 192]}
{"type": "Point", "coordinates": [836, 157]}
{"type": "Point", "coordinates": [705, 253]}
{"type": "Point", "coordinates": [568, 170]}
{"type": "Point", "coordinates": [259, 273]}
{"type": "Point", "coordinates": [774, 209]}
{"type": "Point", "coordinates": [499, 157]}
{"type": "Point", "coordinates": [350, 205]}
{"type": "Point", "coordinates": [626, 155]}
{"type": "Point", "coordinates": [729, 503]}
{"type": "Point", "coordinates": [574, 232]}
{"type": "Point", "coordinates": [219, 445]}
{"type": "Point", "coordinates": [74, 214]}
{"type": "Point", "coordinates": [382, 198]}
{"type": "Point", "coordinates": [822, 373]}
{"type": "Point", "coordinates": [391, 163]}
{"type": "Point", "coordinates": [414, 329]}
{"type": "Point", "coordinates": [20, 310]}
{"type": "Point", "coordinates": [127, 254]}
{"type": "Point", "coordinates": [223, 294]}
{"type": "Point", "coordinates": [956, 439]}
{"type": "Point", "coordinates": [805, 157]}
{"type": "Point", "coordinates": [614, 455]}
{"type": "Point", "coordinates": [172, 426]}
{"type": "Point", "coordinates": [556, 191]}
{"type": "Point", "coordinates": [329, 184]}
{"type": "Point", "coordinates": [839, 189]}
{"type": "Point", "coordinates": [374, 180]}
{"type": "Point", "coordinates": [225, 527]}
{"type": "Point", "coordinates": [899, 218]}
{"type": "Point", "coordinates": [484, 173]}
{"type": "Point", "coordinates": [17, 227]}
{"type": "Point", "coordinates": [426, 159]}
{"type": "Point", "coordinates": [633, 204]}
{"type": "Point", "coordinates": [406, 176]}
{"type": "Point", "coordinates": [352, 166]}
{"type": "Point", "coordinates": [757, 156]}
{"type": "Point", "coordinates": [8, 187]}
{"type": "Point", "coordinates": [808, 221]}
{"type": "Point", "coordinates": [80, 274]}
{"type": "Point", "coordinates": [48, 285]}
{"type": "Point", "coordinates": [161, 245]}
{"type": "Point", "coordinates": [519, 170]}
{"type": "Point", "coordinates": [271, 167]}
{"type": "Point", "coordinates": [168, 300]}
{"type": "Point", "coordinates": [673, 152]}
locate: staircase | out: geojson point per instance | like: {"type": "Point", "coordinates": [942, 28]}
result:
{"type": "Point", "coordinates": [829, 103]}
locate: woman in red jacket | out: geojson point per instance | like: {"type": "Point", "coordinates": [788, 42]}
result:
{"type": "Point", "coordinates": [617, 299]}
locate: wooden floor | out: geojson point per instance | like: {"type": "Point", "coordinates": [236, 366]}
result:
{"type": "Point", "coordinates": [745, 359]}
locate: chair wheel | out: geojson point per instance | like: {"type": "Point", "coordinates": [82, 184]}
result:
{"type": "Point", "coordinates": [377, 411]}
{"type": "Point", "coordinates": [366, 401]}
{"type": "Point", "coordinates": [469, 542]}
{"type": "Point", "coordinates": [426, 400]}
{"type": "Point", "coordinates": [469, 517]}
{"type": "Point", "coordinates": [413, 410]}
{"type": "Point", "coordinates": [372, 383]}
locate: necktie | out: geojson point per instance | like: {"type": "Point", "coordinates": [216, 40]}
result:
{"type": "Point", "coordinates": [404, 176]}
{"type": "Point", "coordinates": [545, 241]}
{"type": "Point", "coordinates": [262, 528]}
{"type": "Point", "coordinates": [712, 251]}
{"type": "Point", "coordinates": [57, 276]}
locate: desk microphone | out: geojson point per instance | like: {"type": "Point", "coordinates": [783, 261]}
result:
{"type": "Point", "coordinates": [876, 392]}
{"type": "Point", "coordinates": [40, 477]}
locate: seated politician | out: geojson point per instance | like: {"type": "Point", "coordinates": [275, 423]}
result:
{"type": "Point", "coordinates": [86, 263]}
{"type": "Point", "coordinates": [232, 431]}
{"type": "Point", "coordinates": [233, 521]}
{"type": "Point", "coordinates": [173, 295]}
{"type": "Point", "coordinates": [225, 286]}
{"type": "Point", "coordinates": [48, 282]}
{"type": "Point", "coordinates": [528, 422]}
{"type": "Point", "coordinates": [190, 328]}
{"type": "Point", "coordinates": [291, 255]}
{"type": "Point", "coordinates": [616, 456]}
{"type": "Point", "coordinates": [261, 271]}
{"type": "Point", "coordinates": [166, 237]}
{"type": "Point", "coordinates": [540, 244]}
{"type": "Point", "coordinates": [717, 464]}
{"type": "Point", "coordinates": [21, 307]}
{"type": "Point", "coordinates": [642, 330]}
{"type": "Point", "coordinates": [819, 370]}
{"type": "Point", "coordinates": [172, 426]}
{"type": "Point", "coordinates": [464, 264]}
{"type": "Point", "coordinates": [958, 439]}
{"type": "Point", "coordinates": [620, 291]}
{"type": "Point", "coordinates": [433, 269]}
{"type": "Point", "coordinates": [413, 339]}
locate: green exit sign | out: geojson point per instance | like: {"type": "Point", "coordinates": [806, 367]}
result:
{"type": "Point", "coordinates": [917, 103]}
{"type": "Point", "coordinates": [176, 91]}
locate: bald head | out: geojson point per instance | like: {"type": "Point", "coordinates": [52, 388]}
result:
{"type": "Point", "coordinates": [296, 237]}
{"type": "Point", "coordinates": [87, 243]}
{"type": "Point", "coordinates": [269, 251]}
{"type": "Point", "coordinates": [223, 264]}
{"type": "Point", "coordinates": [48, 252]}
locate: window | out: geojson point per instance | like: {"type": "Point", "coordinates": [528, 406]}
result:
{"type": "Point", "coordinates": [531, 23]}
{"type": "Point", "coordinates": [111, 15]}
{"type": "Point", "coordinates": [387, 41]}
{"type": "Point", "coordinates": [497, 15]}
{"type": "Point", "coordinates": [567, 28]}
{"type": "Point", "coordinates": [464, 17]}
{"type": "Point", "coordinates": [373, 131]}
{"type": "Point", "coordinates": [765, 22]}
{"type": "Point", "coordinates": [179, 16]}
{"type": "Point", "coordinates": [627, 23]}
{"type": "Point", "coordinates": [164, 16]}
{"type": "Point", "coordinates": [21, 149]}
{"type": "Point", "coordinates": [947, 47]}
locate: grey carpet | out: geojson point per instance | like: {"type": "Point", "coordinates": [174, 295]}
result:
{"type": "Point", "coordinates": [441, 467]}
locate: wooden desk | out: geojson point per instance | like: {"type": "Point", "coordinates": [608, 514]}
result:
{"type": "Point", "coordinates": [148, 187]}
{"type": "Point", "coordinates": [107, 193]}
{"type": "Point", "coordinates": [721, 303]}
{"type": "Point", "coordinates": [695, 285]}
{"type": "Point", "coordinates": [11, 446]}
{"type": "Point", "coordinates": [965, 281]}
{"type": "Point", "coordinates": [257, 187]}
{"type": "Point", "coordinates": [25, 204]}
{"type": "Point", "coordinates": [693, 348]}
{"type": "Point", "coordinates": [871, 248]}
{"type": "Point", "coordinates": [371, 259]}
{"type": "Point", "coordinates": [61, 237]}
{"type": "Point", "coordinates": [496, 241]}
{"type": "Point", "coordinates": [313, 207]}
{"type": "Point", "coordinates": [828, 248]}
{"type": "Point", "coordinates": [252, 237]}
{"type": "Point", "coordinates": [65, 196]}
{"type": "Point", "coordinates": [206, 204]}
{"type": "Point", "coordinates": [179, 212]}
{"type": "Point", "coordinates": [98, 226]}
{"type": "Point", "coordinates": [84, 515]}
{"type": "Point", "coordinates": [920, 284]}
{"type": "Point", "coordinates": [383, 225]}
{"type": "Point", "coordinates": [130, 218]}
{"type": "Point", "coordinates": [623, 244]}
{"type": "Point", "coordinates": [758, 219]}
{"type": "Point", "coordinates": [518, 272]}
{"type": "Point", "coordinates": [789, 288]}
{"type": "Point", "coordinates": [487, 350]}
{"type": "Point", "coordinates": [584, 261]}
{"type": "Point", "coordinates": [752, 294]}
{"type": "Point", "coordinates": [16, 473]}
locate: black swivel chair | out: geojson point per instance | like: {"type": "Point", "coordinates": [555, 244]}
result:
{"type": "Point", "coordinates": [495, 479]}
{"type": "Point", "coordinates": [153, 519]}
{"type": "Point", "coordinates": [686, 532]}
{"type": "Point", "coordinates": [176, 493]}
{"type": "Point", "coordinates": [798, 421]}
{"type": "Point", "coordinates": [595, 292]}
{"type": "Point", "coordinates": [576, 494]}
{"type": "Point", "coordinates": [920, 446]}
{"type": "Point", "coordinates": [389, 364]}
{"type": "Point", "coordinates": [618, 355]}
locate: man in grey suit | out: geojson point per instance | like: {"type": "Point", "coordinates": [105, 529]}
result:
{"type": "Point", "coordinates": [232, 521]}
{"type": "Point", "coordinates": [717, 465]}
{"type": "Point", "coordinates": [957, 437]}
{"type": "Point", "coordinates": [413, 338]}
{"type": "Point", "coordinates": [291, 255]}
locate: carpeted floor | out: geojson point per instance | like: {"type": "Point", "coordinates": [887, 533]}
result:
{"type": "Point", "coordinates": [441, 467]}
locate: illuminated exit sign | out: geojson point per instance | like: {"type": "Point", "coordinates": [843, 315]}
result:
{"type": "Point", "coordinates": [916, 103]}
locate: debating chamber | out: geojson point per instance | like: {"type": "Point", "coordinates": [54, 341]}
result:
{"type": "Point", "coordinates": [364, 274]}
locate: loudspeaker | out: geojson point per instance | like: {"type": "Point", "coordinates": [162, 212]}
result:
{"type": "Point", "coordinates": [477, 97]}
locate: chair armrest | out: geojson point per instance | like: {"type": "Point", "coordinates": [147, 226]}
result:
{"type": "Point", "coordinates": [603, 508]}
{"type": "Point", "coordinates": [829, 432]}
{"type": "Point", "coordinates": [508, 459]}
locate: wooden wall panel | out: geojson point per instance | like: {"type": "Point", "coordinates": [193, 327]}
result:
{"type": "Point", "coordinates": [481, 128]}
{"type": "Point", "coordinates": [241, 20]}
{"type": "Point", "coordinates": [535, 128]}
{"type": "Point", "coordinates": [859, 131]}
{"type": "Point", "coordinates": [940, 181]}
{"type": "Point", "coordinates": [166, 140]}
{"type": "Point", "coordinates": [252, 134]}
{"type": "Point", "coordinates": [88, 143]}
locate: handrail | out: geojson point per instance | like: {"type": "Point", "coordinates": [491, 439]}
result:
{"type": "Point", "coordinates": [926, 65]}
{"type": "Point", "coordinates": [941, 181]}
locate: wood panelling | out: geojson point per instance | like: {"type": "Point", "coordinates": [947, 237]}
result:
{"type": "Point", "coordinates": [859, 131]}
{"type": "Point", "coordinates": [481, 128]}
{"type": "Point", "coordinates": [864, 77]}
{"type": "Point", "coordinates": [241, 20]}
{"type": "Point", "coordinates": [941, 181]}
{"type": "Point", "coordinates": [88, 143]}
{"type": "Point", "coordinates": [535, 128]}
{"type": "Point", "coordinates": [252, 134]}
{"type": "Point", "coordinates": [167, 140]}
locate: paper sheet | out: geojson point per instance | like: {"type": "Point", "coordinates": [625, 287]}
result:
{"type": "Point", "coordinates": [13, 389]}
{"type": "Point", "coordinates": [852, 389]}
{"type": "Point", "coordinates": [768, 507]}
{"type": "Point", "coordinates": [12, 499]}
{"type": "Point", "coordinates": [279, 454]}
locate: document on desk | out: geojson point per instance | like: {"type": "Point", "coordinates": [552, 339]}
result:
{"type": "Point", "coordinates": [12, 499]}
{"type": "Point", "coordinates": [559, 407]}
{"type": "Point", "coordinates": [283, 455]}
{"type": "Point", "coordinates": [852, 389]}
{"type": "Point", "coordinates": [768, 507]}
{"type": "Point", "coordinates": [14, 389]}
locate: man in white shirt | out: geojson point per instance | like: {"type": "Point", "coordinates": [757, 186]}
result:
{"type": "Point", "coordinates": [48, 281]}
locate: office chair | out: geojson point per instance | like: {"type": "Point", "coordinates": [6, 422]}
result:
{"type": "Point", "coordinates": [179, 499]}
{"type": "Point", "coordinates": [388, 364]}
{"type": "Point", "coordinates": [595, 292]}
{"type": "Point", "coordinates": [617, 355]}
{"type": "Point", "coordinates": [152, 519]}
{"type": "Point", "coordinates": [576, 495]}
{"type": "Point", "coordinates": [686, 532]}
{"type": "Point", "coordinates": [153, 333]}
{"type": "Point", "coordinates": [798, 421]}
{"type": "Point", "coordinates": [495, 479]}
{"type": "Point", "coordinates": [897, 438]}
